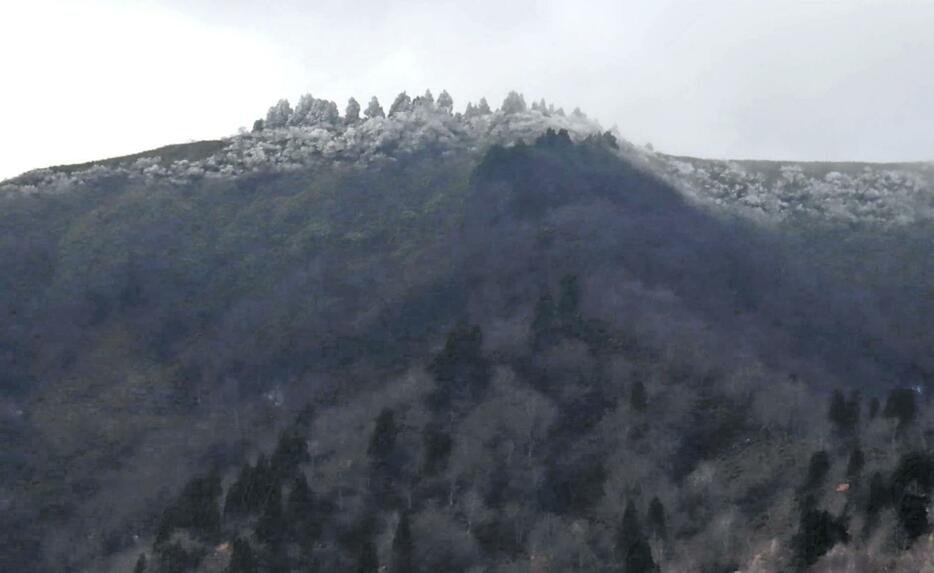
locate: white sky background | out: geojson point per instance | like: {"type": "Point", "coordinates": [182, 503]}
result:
{"type": "Point", "coordinates": [773, 79]}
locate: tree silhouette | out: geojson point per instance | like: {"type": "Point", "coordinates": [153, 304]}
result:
{"type": "Point", "coordinates": [242, 559]}
{"type": "Point", "coordinates": [656, 519]}
{"type": "Point", "coordinates": [403, 558]}
{"type": "Point", "coordinates": [352, 112]}
{"type": "Point", "coordinates": [373, 109]}
{"type": "Point", "coordinates": [367, 562]}
{"type": "Point", "coordinates": [638, 397]}
{"type": "Point", "coordinates": [632, 548]}
{"type": "Point", "coordinates": [902, 406]}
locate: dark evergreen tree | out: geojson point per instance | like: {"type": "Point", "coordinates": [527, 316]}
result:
{"type": "Point", "coordinates": [242, 560]}
{"type": "Point", "coordinates": [437, 445]}
{"type": "Point", "coordinates": [237, 501]}
{"type": "Point", "coordinates": [383, 439]}
{"type": "Point", "coordinates": [403, 553]}
{"type": "Point", "coordinates": [638, 398]}
{"type": "Point", "coordinates": [873, 408]}
{"type": "Point", "coordinates": [386, 464]}
{"type": "Point", "coordinates": [461, 371]}
{"type": "Point", "coordinates": [902, 406]}
{"type": "Point", "coordinates": [632, 548]}
{"type": "Point", "coordinates": [853, 406]}
{"type": "Point", "coordinates": [855, 465]}
{"type": "Point", "coordinates": [367, 561]}
{"type": "Point", "coordinates": [290, 452]}
{"type": "Point", "coordinates": [838, 412]}
{"type": "Point", "coordinates": [818, 468]}
{"type": "Point", "coordinates": [912, 511]}
{"type": "Point", "coordinates": [173, 558]}
{"type": "Point", "coordinates": [878, 498]}
{"type": "Point", "coordinates": [140, 564]}
{"type": "Point", "coordinates": [544, 322]}
{"type": "Point", "coordinates": [569, 305]}
{"type": "Point", "coordinates": [656, 519]}
{"type": "Point", "coordinates": [196, 510]}
{"type": "Point", "coordinates": [270, 528]}
{"type": "Point", "coordinates": [912, 482]}
{"type": "Point", "coordinates": [247, 495]}
{"type": "Point", "coordinates": [302, 514]}
{"type": "Point", "coordinates": [817, 533]}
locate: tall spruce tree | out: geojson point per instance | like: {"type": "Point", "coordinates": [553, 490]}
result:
{"type": "Point", "coordinates": [242, 559]}
{"type": "Point", "coordinates": [634, 554]}
{"type": "Point", "coordinates": [403, 551]}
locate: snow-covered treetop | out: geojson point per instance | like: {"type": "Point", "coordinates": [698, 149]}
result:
{"type": "Point", "coordinates": [314, 134]}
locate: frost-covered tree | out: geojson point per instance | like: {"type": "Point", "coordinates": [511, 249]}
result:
{"type": "Point", "coordinates": [401, 104]}
{"type": "Point", "coordinates": [279, 114]}
{"type": "Point", "coordinates": [445, 102]}
{"type": "Point", "coordinates": [258, 125]}
{"type": "Point", "coordinates": [313, 111]}
{"type": "Point", "coordinates": [427, 100]}
{"type": "Point", "coordinates": [403, 559]}
{"type": "Point", "coordinates": [470, 111]}
{"type": "Point", "coordinates": [514, 103]}
{"type": "Point", "coordinates": [324, 111]}
{"type": "Point", "coordinates": [373, 109]}
{"type": "Point", "coordinates": [483, 108]}
{"type": "Point", "coordinates": [302, 110]}
{"type": "Point", "coordinates": [352, 113]}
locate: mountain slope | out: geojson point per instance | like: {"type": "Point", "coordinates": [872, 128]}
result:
{"type": "Point", "coordinates": [507, 345]}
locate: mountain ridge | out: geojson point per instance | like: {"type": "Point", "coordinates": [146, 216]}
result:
{"type": "Point", "coordinates": [889, 193]}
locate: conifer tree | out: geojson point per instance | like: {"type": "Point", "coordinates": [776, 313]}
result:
{"type": "Point", "coordinates": [901, 405]}
{"type": "Point", "coordinates": [855, 465]}
{"type": "Point", "coordinates": [352, 112]}
{"type": "Point", "coordinates": [436, 445]}
{"type": "Point", "coordinates": [402, 103]}
{"type": "Point", "coordinates": [302, 513]}
{"type": "Point", "coordinates": [818, 468]}
{"type": "Point", "coordinates": [878, 498]}
{"type": "Point", "coordinates": [367, 561]}
{"type": "Point", "coordinates": [656, 519]}
{"type": "Point", "coordinates": [270, 528]}
{"type": "Point", "coordinates": [445, 102]}
{"type": "Point", "coordinates": [632, 548]}
{"type": "Point", "coordinates": [544, 322]}
{"type": "Point", "coordinates": [373, 109]}
{"type": "Point", "coordinates": [403, 559]}
{"type": "Point", "coordinates": [817, 533]}
{"type": "Point", "coordinates": [638, 397]}
{"type": "Point", "coordinates": [383, 438]}
{"type": "Point", "coordinates": [242, 559]}
{"type": "Point", "coordinates": [837, 410]}
{"type": "Point", "coordinates": [290, 452]}
{"type": "Point", "coordinates": [569, 300]}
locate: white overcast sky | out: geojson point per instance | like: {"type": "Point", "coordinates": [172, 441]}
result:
{"type": "Point", "coordinates": [779, 79]}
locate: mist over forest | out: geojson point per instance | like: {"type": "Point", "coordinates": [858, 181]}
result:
{"type": "Point", "coordinates": [432, 337]}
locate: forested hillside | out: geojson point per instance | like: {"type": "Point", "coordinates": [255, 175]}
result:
{"type": "Point", "coordinates": [483, 341]}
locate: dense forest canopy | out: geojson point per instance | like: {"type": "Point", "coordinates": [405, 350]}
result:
{"type": "Point", "coordinates": [428, 340]}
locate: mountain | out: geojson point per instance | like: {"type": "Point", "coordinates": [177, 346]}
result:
{"type": "Point", "coordinates": [482, 341]}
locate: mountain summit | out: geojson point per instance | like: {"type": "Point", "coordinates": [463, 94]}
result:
{"type": "Point", "coordinates": [315, 134]}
